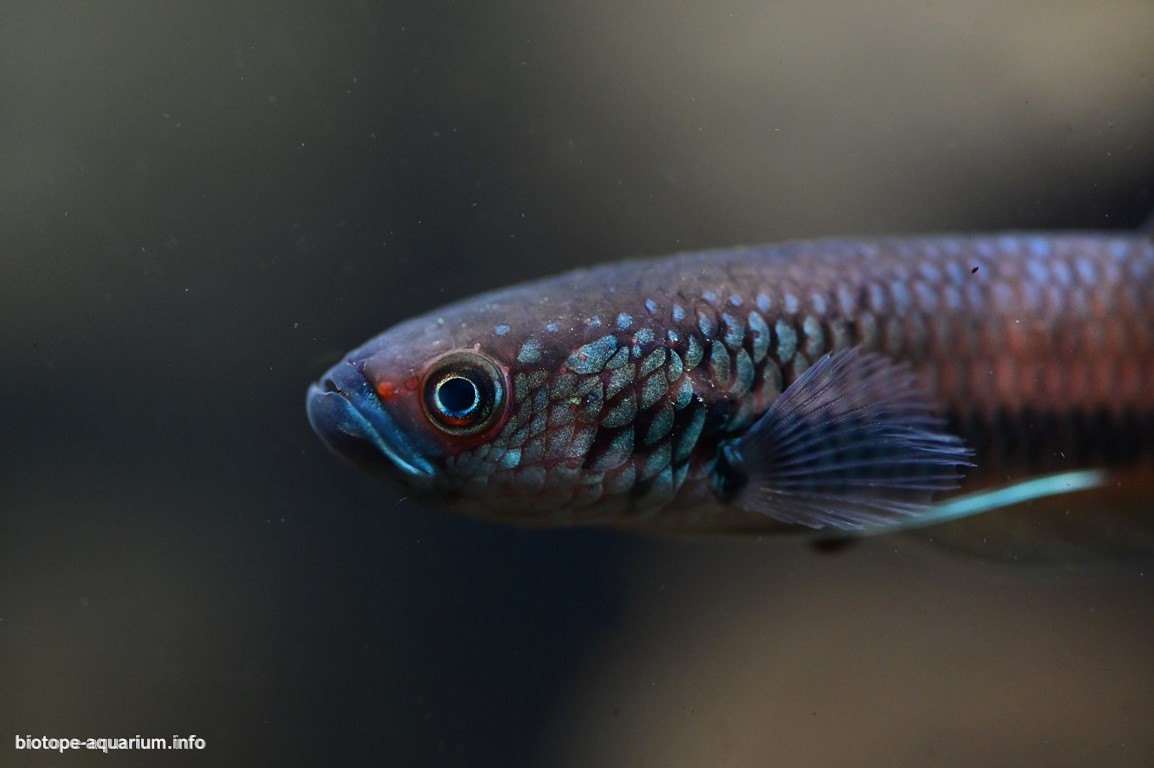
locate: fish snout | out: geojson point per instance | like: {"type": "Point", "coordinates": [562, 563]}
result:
{"type": "Point", "coordinates": [346, 413]}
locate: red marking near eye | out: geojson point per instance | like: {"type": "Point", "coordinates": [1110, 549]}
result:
{"type": "Point", "coordinates": [412, 383]}
{"type": "Point", "coordinates": [385, 390]}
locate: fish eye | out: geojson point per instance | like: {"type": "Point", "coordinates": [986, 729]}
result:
{"type": "Point", "coordinates": [463, 393]}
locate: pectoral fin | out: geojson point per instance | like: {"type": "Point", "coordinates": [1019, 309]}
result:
{"type": "Point", "coordinates": [852, 444]}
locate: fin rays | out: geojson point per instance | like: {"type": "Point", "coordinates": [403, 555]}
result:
{"type": "Point", "coordinates": [852, 443]}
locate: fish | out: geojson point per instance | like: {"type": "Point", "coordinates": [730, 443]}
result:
{"type": "Point", "coordinates": [836, 386]}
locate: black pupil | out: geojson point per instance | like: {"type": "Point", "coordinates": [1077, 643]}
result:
{"type": "Point", "coordinates": [457, 396]}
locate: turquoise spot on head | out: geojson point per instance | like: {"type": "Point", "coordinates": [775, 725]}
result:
{"type": "Point", "coordinates": [530, 352]}
{"type": "Point", "coordinates": [624, 321]}
{"type": "Point", "coordinates": [591, 357]}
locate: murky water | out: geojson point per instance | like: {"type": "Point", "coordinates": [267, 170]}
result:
{"type": "Point", "coordinates": [202, 206]}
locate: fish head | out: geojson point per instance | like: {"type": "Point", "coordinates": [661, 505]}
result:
{"type": "Point", "coordinates": [405, 403]}
{"type": "Point", "coordinates": [489, 407]}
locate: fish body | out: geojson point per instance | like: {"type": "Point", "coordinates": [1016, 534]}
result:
{"type": "Point", "coordinates": [838, 384]}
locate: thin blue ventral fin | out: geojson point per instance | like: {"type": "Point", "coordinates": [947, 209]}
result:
{"type": "Point", "coordinates": [999, 498]}
{"type": "Point", "coordinates": [852, 444]}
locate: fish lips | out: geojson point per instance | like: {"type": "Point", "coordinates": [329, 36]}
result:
{"type": "Point", "coordinates": [346, 413]}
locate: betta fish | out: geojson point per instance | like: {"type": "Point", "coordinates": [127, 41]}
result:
{"type": "Point", "coordinates": [841, 386]}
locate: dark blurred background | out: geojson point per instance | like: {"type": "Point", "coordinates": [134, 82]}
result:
{"type": "Point", "coordinates": [202, 205]}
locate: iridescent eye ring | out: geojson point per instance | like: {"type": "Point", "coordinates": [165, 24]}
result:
{"type": "Point", "coordinates": [463, 393]}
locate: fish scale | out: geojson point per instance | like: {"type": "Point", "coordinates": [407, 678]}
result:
{"type": "Point", "coordinates": [628, 379]}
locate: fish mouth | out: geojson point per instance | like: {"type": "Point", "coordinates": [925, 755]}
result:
{"type": "Point", "coordinates": [346, 413]}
